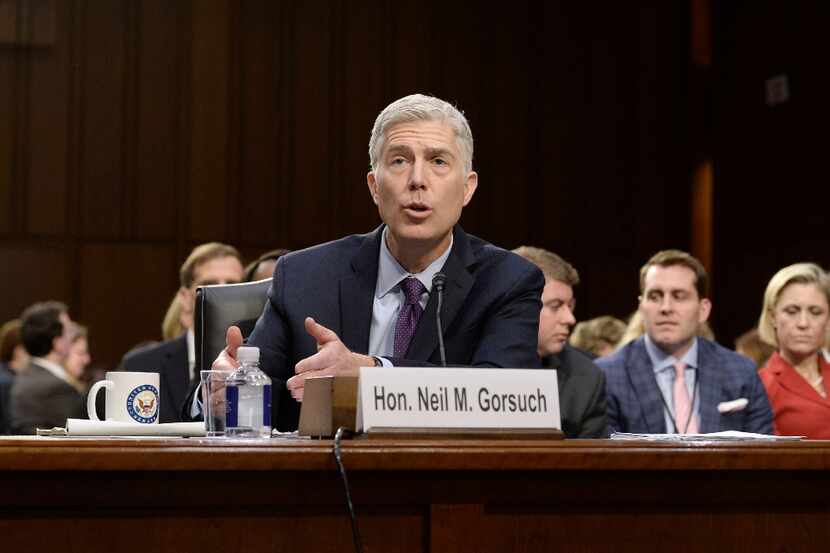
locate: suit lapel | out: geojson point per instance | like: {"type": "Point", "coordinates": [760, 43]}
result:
{"type": "Point", "coordinates": [710, 386]}
{"type": "Point", "coordinates": [459, 283]}
{"type": "Point", "coordinates": [357, 295]}
{"type": "Point", "coordinates": [644, 384]}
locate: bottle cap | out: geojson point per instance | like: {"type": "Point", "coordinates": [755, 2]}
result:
{"type": "Point", "coordinates": [247, 354]}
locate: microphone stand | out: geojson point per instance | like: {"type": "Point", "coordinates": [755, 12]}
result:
{"type": "Point", "coordinates": [438, 282]}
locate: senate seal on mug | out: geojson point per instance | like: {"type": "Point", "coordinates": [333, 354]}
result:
{"type": "Point", "coordinates": [143, 404]}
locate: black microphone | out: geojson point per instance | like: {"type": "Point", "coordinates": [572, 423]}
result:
{"type": "Point", "coordinates": [438, 282]}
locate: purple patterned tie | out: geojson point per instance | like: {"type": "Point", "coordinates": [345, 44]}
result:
{"type": "Point", "coordinates": [409, 316]}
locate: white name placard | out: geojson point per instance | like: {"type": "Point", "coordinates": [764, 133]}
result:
{"type": "Point", "coordinates": [431, 397]}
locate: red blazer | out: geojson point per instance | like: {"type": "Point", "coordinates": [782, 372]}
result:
{"type": "Point", "coordinates": [798, 409]}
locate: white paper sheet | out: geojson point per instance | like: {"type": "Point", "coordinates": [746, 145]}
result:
{"type": "Point", "coordinates": [84, 427]}
{"type": "Point", "coordinates": [725, 436]}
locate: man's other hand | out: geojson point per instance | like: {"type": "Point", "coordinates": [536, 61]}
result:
{"type": "Point", "coordinates": [333, 358]}
{"type": "Point", "coordinates": [226, 361]}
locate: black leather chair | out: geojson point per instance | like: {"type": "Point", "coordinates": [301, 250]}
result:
{"type": "Point", "coordinates": [220, 306]}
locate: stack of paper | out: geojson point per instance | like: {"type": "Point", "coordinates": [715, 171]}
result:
{"type": "Point", "coordinates": [726, 436]}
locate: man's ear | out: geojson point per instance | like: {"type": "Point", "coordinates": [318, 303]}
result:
{"type": "Point", "coordinates": [705, 310]}
{"type": "Point", "coordinates": [372, 182]}
{"type": "Point", "coordinates": [185, 297]}
{"type": "Point", "coordinates": [470, 186]}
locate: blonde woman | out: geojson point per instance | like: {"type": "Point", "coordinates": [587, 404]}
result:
{"type": "Point", "coordinates": [795, 319]}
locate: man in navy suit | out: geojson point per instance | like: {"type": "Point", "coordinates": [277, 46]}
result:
{"type": "Point", "coordinates": [365, 300]}
{"type": "Point", "coordinates": [671, 380]}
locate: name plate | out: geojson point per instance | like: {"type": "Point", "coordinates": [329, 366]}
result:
{"type": "Point", "coordinates": [421, 397]}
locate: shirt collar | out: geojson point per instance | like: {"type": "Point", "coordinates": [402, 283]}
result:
{"type": "Point", "coordinates": [391, 273]}
{"type": "Point", "coordinates": [53, 368]}
{"type": "Point", "coordinates": [660, 360]}
{"type": "Point", "coordinates": [191, 350]}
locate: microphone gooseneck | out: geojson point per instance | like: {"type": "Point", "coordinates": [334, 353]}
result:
{"type": "Point", "coordinates": [438, 282]}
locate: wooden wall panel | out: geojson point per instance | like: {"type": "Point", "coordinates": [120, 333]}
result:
{"type": "Point", "coordinates": [103, 70]}
{"type": "Point", "coordinates": [154, 198]}
{"type": "Point", "coordinates": [310, 208]}
{"type": "Point", "coordinates": [32, 273]}
{"type": "Point", "coordinates": [498, 40]}
{"type": "Point", "coordinates": [407, 32]}
{"type": "Point", "coordinates": [154, 126]}
{"type": "Point", "coordinates": [209, 203]}
{"type": "Point", "coordinates": [125, 290]}
{"type": "Point", "coordinates": [262, 189]}
{"type": "Point", "coordinates": [47, 147]}
{"type": "Point", "coordinates": [770, 192]}
{"type": "Point", "coordinates": [8, 128]}
{"type": "Point", "coordinates": [361, 87]}
{"type": "Point", "coordinates": [558, 87]}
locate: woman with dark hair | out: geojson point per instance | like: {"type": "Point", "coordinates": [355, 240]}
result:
{"type": "Point", "coordinates": [264, 265]}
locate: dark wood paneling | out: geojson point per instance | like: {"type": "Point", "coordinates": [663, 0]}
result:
{"type": "Point", "coordinates": [154, 197]}
{"type": "Point", "coordinates": [498, 39]}
{"type": "Point", "coordinates": [261, 193]}
{"type": "Point", "coordinates": [157, 124]}
{"type": "Point", "coordinates": [361, 92]}
{"type": "Point", "coordinates": [445, 496]}
{"type": "Point", "coordinates": [8, 117]}
{"type": "Point", "coordinates": [47, 145]}
{"type": "Point", "coordinates": [32, 273]}
{"type": "Point", "coordinates": [209, 203]}
{"type": "Point", "coordinates": [770, 192]}
{"type": "Point", "coordinates": [209, 534]}
{"type": "Point", "coordinates": [310, 201]}
{"type": "Point", "coordinates": [124, 291]}
{"type": "Point", "coordinates": [102, 120]}
{"type": "Point", "coordinates": [407, 29]}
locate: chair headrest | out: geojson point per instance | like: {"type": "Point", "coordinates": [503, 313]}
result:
{"type": "Point", "coordinates": [220, 306]}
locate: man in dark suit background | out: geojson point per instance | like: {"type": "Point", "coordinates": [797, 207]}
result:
{"type": "Point", "coordinates": [211, 263]}
{"type": "Point", "coordinates": [671, 380]}
{"type": "Point", "coordinates": [581, 383]}
{"type": "Point", "coordinates": [42, 395]}
{"type": "Point", "coordinates": [365, 300]}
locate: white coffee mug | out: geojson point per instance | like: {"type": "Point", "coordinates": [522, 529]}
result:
{"type": "Point", "coordinates": [131, 397]}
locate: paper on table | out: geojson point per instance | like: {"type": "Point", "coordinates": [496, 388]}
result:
{"type": "Point", "coordinates": [84, 427]}
{"type": "Point", "coordinates": [726, 436]}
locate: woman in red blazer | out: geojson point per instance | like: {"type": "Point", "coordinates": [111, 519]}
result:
{"type": "Point", "coordinates": [795, 319]}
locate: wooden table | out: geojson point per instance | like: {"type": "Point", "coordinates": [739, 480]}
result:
{"type": "Point", "coordinates": [204, 495]}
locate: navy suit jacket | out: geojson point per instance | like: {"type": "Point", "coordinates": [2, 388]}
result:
{"type": "Point", "coordinates": [634, 399]}
{"type": "Point", "coordinates": [490, 312]}
{"type": "Point", "coordinates": [169, 359]}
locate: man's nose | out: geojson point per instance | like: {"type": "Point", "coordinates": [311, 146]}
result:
{"type": "Point", "coordinates": [666, 304]}
{"type": "Point", "coordinates": [569, 318]}
{"type": "Point", "coordinates": [417, 177]}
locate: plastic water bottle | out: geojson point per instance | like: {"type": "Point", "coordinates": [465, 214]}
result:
{"type": "Point", "coordinates": [248, 395]}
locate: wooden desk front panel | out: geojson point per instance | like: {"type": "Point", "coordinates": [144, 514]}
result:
{"type": "Point", "coordinates": [572, 496]}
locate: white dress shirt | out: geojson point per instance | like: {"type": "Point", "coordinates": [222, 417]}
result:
{"type": "Point", "coordinates": [389, 298]}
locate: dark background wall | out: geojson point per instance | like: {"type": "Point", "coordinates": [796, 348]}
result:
{"type": "Point", "coordinates": [131, 131]}
{"type": "Point", "coordinates": [771, 188]}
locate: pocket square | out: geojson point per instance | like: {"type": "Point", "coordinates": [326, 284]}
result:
{"type": "Point", "coordinates": [732, 406]}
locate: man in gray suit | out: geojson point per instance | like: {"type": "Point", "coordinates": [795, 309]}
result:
{"type": "Point", "coordinates": [671, 380]}
{"type": "Point", "coordinates": [42, 396]}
